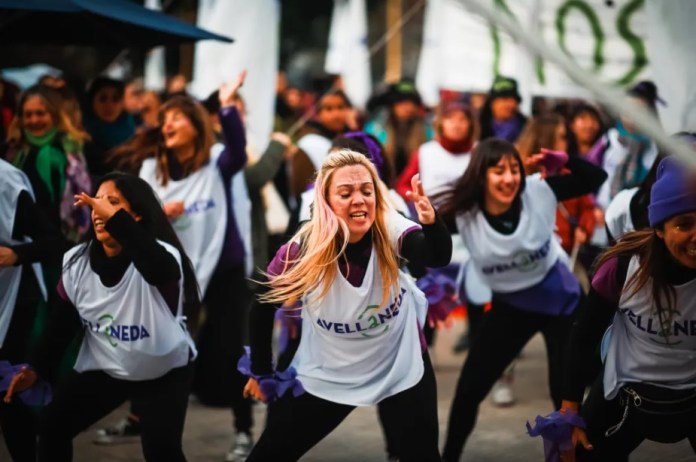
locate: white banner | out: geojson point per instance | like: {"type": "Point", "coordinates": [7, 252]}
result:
{"type": "Point", "coordinates": [672, 34]}
{"type": "Point", "coordinates": [347, 54]}
{"type": "Point", "coordinates": [155, 71]}
{"type": "Point", "coordinates": [463, 52]}
{"type": "Point", "coordinates": [254, 26]}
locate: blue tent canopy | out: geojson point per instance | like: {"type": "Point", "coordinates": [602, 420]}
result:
{"type": "Point", "coordinates": [121, 23]}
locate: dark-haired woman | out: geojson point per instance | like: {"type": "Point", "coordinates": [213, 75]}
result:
{"type": "Point", "coordinates": [126, 288]}
{"type": "Point", "coordinates": [27, 238]}
{"type": "Point", "coordinates": [506, 221]}
{"type": "Point", "coordinates": [500, 115]}
{"type": "Point", "coordinates": [643, 292]}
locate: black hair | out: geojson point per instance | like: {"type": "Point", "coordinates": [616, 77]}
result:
{"type": "Point", "coordinates": [582, 108]}
{"type": "Point", "coordinates": [470, 189]}
{"type": "Point", "coordinates": [144, 202]}
{"type": "Point", "coordinates": [104, 82]}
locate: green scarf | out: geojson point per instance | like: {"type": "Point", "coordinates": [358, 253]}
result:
{"type": "Point", "coordinates": [48, 160]}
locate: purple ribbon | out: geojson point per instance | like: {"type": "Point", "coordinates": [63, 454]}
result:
{"type": "Point", "coordinates": [272, 386]}
{"type": "Point", "coordinates": [39, 394]}
{"type": "Point", "coordinates": [441, 292]}
{"type": "Point", "coordinates": [373, 149]}
{"type": "Point", "coordinates": [556, 429]}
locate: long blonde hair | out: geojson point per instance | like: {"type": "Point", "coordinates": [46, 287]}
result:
{"type": "Point", "coordinates": [324, 238]}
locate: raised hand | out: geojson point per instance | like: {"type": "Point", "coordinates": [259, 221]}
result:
{"type": "Point", "coordinates": [24, 379]}
{"type": "Point", "coordinates": [253, 389]}
{"type": "Point", "coordinates": [425, 210]}
{"type": "Point", "coordinates": [174, 209]}
{"type": "Point", "coordinates": [229, 90]}
{"type": "Point", "coordinates": [101, 205]}
{"type": "Point", "coordinates": [8, 257]}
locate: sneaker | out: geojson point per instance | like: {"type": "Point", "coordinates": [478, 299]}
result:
{"type": "Point", "coordinates": [240, 450]}
{"type": "Point", "coordinates": [126, 431]}
{"type": "Point", "coordinates": [502, 395]}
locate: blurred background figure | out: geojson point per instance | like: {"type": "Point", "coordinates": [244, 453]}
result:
{"type": "Point", "coordinates": [107, 121]}
{"type": "Point", "coordinates": [399, 124]}
{"type": "Point", "coordinates": [500, 116]}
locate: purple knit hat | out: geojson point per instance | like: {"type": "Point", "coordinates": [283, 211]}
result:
{"type": "Point", "coordinates": [673, 193]}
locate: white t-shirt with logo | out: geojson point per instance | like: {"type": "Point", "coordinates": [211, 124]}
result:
{"type": "Point", "coordinates": [13, 182]}
{"type": "Point", "coordinates": [353, 351]}
{"type": "Point", "coordinates": [202, 227]}
{"type": "Point", "coordinates": [517, 261]}
{"type": "Point", "coordinates": [638, 348]}
{"type": "Point", "coordinates": [130, 331]}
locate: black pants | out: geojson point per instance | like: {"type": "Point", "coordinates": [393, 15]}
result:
{"type": "Point", "coordinates": [18, 421]}
{"type": "Point", "coordinates": [295, 425]}
{"type": "Point", "coordinates": [503, 333]}
{"type": "Point", "coordinates": [600, 415]}
{"type": "Point", "coordinates": [87, 397]}
{"type": "Point", "coordinates": [220, 345]}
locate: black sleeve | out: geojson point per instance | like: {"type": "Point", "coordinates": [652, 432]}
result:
{"type": "Point", "coordinates": [430, 247]}
{"type": "Point", "coordinates": [157, 266]}
{"type": "Point", "coordinates": [584, 178]}
{"type": "Point", "coordinates": [261, 321]}
{"type": "Point", "coordinates": [62, 327]}
{"type": "Point", "coordinates": [48, 244]}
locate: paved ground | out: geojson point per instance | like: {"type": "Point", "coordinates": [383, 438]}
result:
{"type": "Point", "coordinates": [499, 436]}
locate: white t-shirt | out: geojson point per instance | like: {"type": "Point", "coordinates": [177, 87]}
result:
{"type": "Point", "coordinates": [636, 347]}
{"type": "Point", "coordinates": [13, 182]}
{"type": "Point", "coordinates": [202, 227]}
{"type": "Point", "coordinates": [130, 331]}
{"type": "Point", "coordinates": [513, 262]}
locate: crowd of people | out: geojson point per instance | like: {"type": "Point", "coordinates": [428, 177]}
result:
{"type": "Point", "coordinates": [144, 243]}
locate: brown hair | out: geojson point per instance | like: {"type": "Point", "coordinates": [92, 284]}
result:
{"type": "Point", "coordinates": [130, 155]}
{"type": "Point", "coordinates": [445, 108]}
{"type": "Point", "coordinates": [540, 132]}
{"type": "Point", "coordinates": [654, 258]}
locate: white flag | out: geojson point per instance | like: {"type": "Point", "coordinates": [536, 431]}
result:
{"type": "Point", "coordinates": [671, 34]}
{"type": "Point", "coordinates": [347, 54]}
{"type": "Point", "coordinates": [155, 72]}
{"type": "Point", "coordinates": [254, 26]}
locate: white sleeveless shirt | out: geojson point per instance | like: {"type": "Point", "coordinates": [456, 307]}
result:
{"type": "Point", "coordinates": [353, 352]}
{"type": "Point", "coordinates": [439, 169]}
{"type": "Point", "coordinates": [130, 331]}
{"type": "Point", "coordinates": [202, 226]}
{"type": "Point", "coordinates": [13, 182]}
{"type": "Point", "coordinates": [638, 348]}
{"type": "Point", "coordinates": [517, 261]}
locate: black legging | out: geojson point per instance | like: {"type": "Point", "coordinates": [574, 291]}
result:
{"type": "Point", "coordinates": [601, 414]}
{"type": "Point", "coordinates": [503, 333]}
{"type": "Point", "coordinates": [220, 345]}
{"type": "Point", "coordinates": [295, 425]}
{"type": "Point", "coordinates": [86, 397]}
